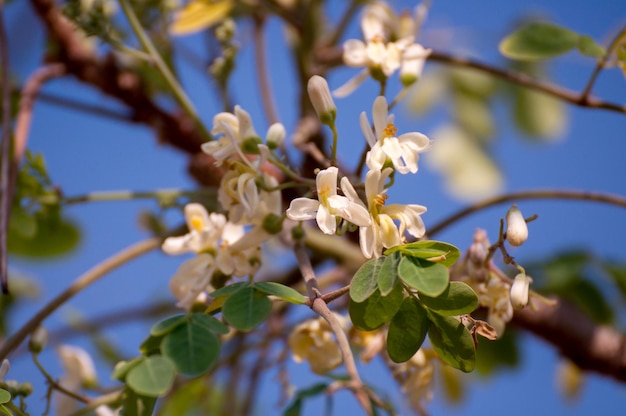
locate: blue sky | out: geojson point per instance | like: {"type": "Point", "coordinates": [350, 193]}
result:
{"type": "Point", "coordinates": [86, 153]}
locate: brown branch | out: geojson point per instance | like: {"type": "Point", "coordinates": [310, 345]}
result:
{"type": "Point", "coordinates": [261, 69]}
{"type": "Point", "coordinates": [5, 161]}
{"type": "Point", "coordinates": [178, 130]}
{"type": "Point", "coordinates": [333, 57]}
{"type": "Point", "coordinates": [533, 194]}
{"type": "Point", "coordinates": [592, 347]}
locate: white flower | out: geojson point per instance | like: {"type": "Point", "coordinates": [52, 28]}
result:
{"type": "Point", "coordinates": [416, 377]}
{"type": "Point", "coordinates": [235, 129]}
{"type": "Point", "coordinates": [330, 205]}
{"type": "Point", "coordinates": [383, 231]}
{"type": "Point", "coordinates": [312, 341]}
{"type": "Point", "coordinates": [204, 231]}
{"type": "Point", "coordinates": [403, 151]}
{"type": "Point", "coordinates": [192, 280]}
{"type": "Point", "coordinates": [4, 368]}
{"type": "Point", "coordinates": [516, 227]}
{"type": "Point", "coordinates": [519, 291]}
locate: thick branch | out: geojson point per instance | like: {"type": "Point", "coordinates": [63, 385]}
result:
{"type": "Point", "coordinates": [126, 86]}
{"type": "Point", "coordinates": [592, 347]}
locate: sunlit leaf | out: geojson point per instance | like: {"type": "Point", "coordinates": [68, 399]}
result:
{"type": "Point", "coordinates": [434, 251]}
{"type": "Point", "coordinates": [539, 40]}
{"type": "Point", "coordinates": [281, 291]}
{"type": "Point", "coordinates": [365, 281]}
{"type": "Point", "coordinates": [123, 367]}
{"type": "Point", "coordinates": [407, 330]}
{"type": "Point", "coordinates": [246, 309]}
{"type": "Point", "coordinates": [152, 377]}
{"type": "Point", "coordinates": [388, 275]}
{"type": "Point", "coordinates": [199, 15]}
{"type": "Point", "coordinates": [5, 396]}
{"type": "Point", "coordinates": [376, 310]}
{"type": "Point", "coordinates": [428, 278]}
{"type": "Point", "coordinates": [588, 47]}
{"type": "Point", "coordinates": [457, 299]}
{"type": "Point", "coordinates": [192, 347]}
{"type": "Point", "coordinates": [452, 341]}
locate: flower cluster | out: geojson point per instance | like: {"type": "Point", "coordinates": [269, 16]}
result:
{"type": "Point", "coordinates": [387, 48]}
{"type": "Point", "coordinates": [313, 341]}
{"type": "Point", "coordinates": [380, 226]}
{"type": "Point", "coordinates": [229, 245]}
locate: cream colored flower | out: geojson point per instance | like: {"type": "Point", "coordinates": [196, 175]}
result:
{"type": "Point", "coordinates": [330, 206]}
{"type": "Point", "coordinates": [313, 341]}
{"type": "Point", "coordinates": [191, 282]}
{"type": "Point", "coordinates": [519, 291]}
{"type": "Point", "coordinates": [205, 231]}
{"type": "Point", "coordinates": [416, 378]}
{"type": "Point", "coordinates": [494, 294]}
{"type": "Point", "coordinates": [235, 130]}
{"type": "Point", "coordinates": [402, 151]}
{"type": "Point", "coordinates": [383, 231]}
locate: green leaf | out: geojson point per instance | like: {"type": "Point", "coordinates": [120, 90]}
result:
{"type": "Point", "coordinates": [428, 278]}
{"type": "Point", "coordinates": [295, 407]}
{"type": "Point", "coordinates": [192, 347]}
{"type": "Point", "coordinates": [5, 396]}
{"type": "Point", "coordinates": [440, 252]}
{"type": "Point", "coordinates": [209, 322]}
{"type": "Point", "coordinates": [376, 310]}
{"type": "Point", "coordinates": [52, 238]}
{"type": "Point", "coordinates": [152, 377]}
{"type": "Point", "coordinates": [123, 367]}
{"type": "Point", "coordinates": [134, 404]}
{"type": "Point", "coordinates": [229, 290]}
{"type": "Point", "coordinates": [539, 115]}
{"type": "Point", "coordinates": [21, 223]}
{"type": "Point", "coordinates": [281, 291]}
{"type": "Point", "coordinates": [166, 325]}
{"type": "Point", "coordinates": [452, 341]}
{"type": "Point", "coordinates": [388, 275]}
{"type": "Point", "coordinates": [407, 330]}
{"type": "Point", "coordinates": [151, 345]}
{"type": "Point", "coordinates": [501, 353]}
{"type": "Point", "coordinates": [538, 40]}
{"type": "Point", "coordinates": [246, 309]}
{"type": "Point", "coordinates": [365, 281]}
{"type": "Point", "coordinates": [457, 299]}
{"type": "Point", "coordinates": [588, 47]}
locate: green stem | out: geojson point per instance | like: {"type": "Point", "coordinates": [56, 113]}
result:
{"type": "Point", "coordinates": [99, 196]}
{"type": "Point", "coordinates": [601, 64]}
{"type": "Point", "coordinates": [170, 79]}
{"type": "Point", "coordinates": [333, 152]}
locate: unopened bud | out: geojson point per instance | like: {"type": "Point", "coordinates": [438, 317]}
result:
{"type": "Point", "coordinates": [38, 340]}
{"type": "Point", "coordinates": [273, 223]}
{"type": "Point", "coordinates": [322, 101]}
{"type": "Point", "coordinates": [4, 368]}
{"type": "Point", "coordinates": [519, 291]}
{"type": "Point", "coordinates": [516, 228]}
{"type": "Point", "coordinates": [412, 66]}
{"type": "Point", "coordinates": [275, 135]}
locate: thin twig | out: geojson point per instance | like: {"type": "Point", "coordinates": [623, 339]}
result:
{"type": "Point", "coordinates": [89, 277]}
{"type": "Point", "coordinates": [5, 162]}
{"type": "Point", "coordinates": [533, 194]}
{"type": "Point", "coordinates": [601, 64]}
{"type": "Point", "coordinates": [261, 69]}
{"type": "Point", "coordinates": [55, 385]}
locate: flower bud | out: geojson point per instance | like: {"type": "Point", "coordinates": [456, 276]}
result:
{"type": "Point", "coordinates": [413, 60]}
{"type": "Point", "coordinates": [322, 101]}
{"type": "Point", "coordinates": [519, 291]}
{"type": "Point", "coordinates": [4, 368]}
{"type": "Point", "coordinates": [516, 228]}
{"type": "Point", "coordinates": [38, 340]}
{"type": "Point", "coordinates": [275, 135]}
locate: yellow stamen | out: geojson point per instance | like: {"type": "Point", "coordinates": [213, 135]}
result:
{"type": "Point", "coordinates": [197, 223]}
{"type": "Point", "coordinates": [390, 130]}
{"type": "Point", "coordinates": [380, 199]}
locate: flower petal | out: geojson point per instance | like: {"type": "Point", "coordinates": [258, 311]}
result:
{"type": "Point", "coordinates": [302, 209]}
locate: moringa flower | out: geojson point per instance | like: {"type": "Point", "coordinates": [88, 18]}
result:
{"type": "Point", "coordinates": [237, 132]}
{"type": "Point", "coordinates": [519, 291]}
{"type": "Point", "coordinates": [330, 205]}
{"type": "Point", "coordinates": [516, 227]}
{"type": "Point", "coordinates": [402, 151]}
{"type": "Point", "coordinates": [204, 232]}
{"type": "Point", "coordinates": [312, 340]}
{"type": "Point", "coordinates": [383, 232]}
